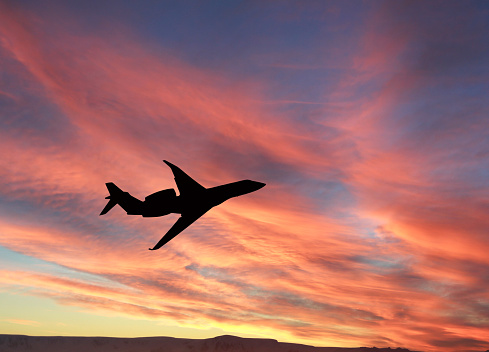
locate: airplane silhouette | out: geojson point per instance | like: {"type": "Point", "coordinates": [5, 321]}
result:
{"type": "Point", "coordinates": [193, 202]}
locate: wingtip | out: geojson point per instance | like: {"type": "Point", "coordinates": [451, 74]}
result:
{"type": "Point", "coordinates": [173, 168]}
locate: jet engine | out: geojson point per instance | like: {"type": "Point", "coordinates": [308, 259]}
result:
{"type": "Point", "coordinates": [159, 203]}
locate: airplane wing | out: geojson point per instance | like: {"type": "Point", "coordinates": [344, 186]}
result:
{"type": "Point", "coordinates": [185, 183]}
{"type": "Point", "coordinates": [182, 223]}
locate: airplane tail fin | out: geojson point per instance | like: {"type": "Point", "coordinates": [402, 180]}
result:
{"type": "Point", "coordinates": [130, 204]}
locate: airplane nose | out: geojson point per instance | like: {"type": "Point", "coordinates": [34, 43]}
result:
{"type": "Point", "coordinates": [255, 185]}
{"type": "Point", "coordinates": [249, 186]}
{"type": "Point", "coordinates": [236, 189]}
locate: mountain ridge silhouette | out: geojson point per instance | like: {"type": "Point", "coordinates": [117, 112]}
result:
{"type": "Point", "coordinates": [223, 343]}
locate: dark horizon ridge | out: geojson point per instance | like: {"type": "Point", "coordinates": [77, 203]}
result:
{"type": "Point", "coordinates": [228, 343]}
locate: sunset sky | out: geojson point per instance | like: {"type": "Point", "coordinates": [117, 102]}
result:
{"type": "Point", "coordinates": [367, 120]}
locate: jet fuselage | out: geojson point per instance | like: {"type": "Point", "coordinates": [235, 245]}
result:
{"type": "Point", "coordinates": [197, 202]}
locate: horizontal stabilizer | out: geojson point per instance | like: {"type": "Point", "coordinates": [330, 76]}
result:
{"type": "Point", "coordinates": [109, 206]}
{"type": "Point", "coordinates": [130, 204]}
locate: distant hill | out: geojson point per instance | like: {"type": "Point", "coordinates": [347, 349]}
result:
{"type": "Point", "coordinates": [226, 343]}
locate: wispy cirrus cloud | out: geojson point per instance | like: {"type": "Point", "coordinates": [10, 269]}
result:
{"type": "Point", "coordinates": [22, 322]}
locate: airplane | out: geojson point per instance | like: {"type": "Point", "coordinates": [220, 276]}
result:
{"type": "Point", "coordinates": [193, 201]}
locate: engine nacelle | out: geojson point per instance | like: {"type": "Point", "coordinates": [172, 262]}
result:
{"type": "Point", "coordinates": [159, 203]}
